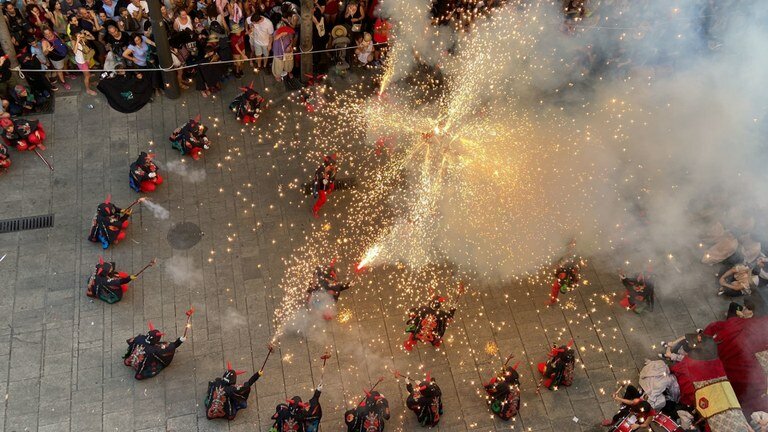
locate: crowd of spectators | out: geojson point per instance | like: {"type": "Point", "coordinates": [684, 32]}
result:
{"type": "Point", "coordinates": [214, 39]}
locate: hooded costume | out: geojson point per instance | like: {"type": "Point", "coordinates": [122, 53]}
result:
{"type": "Point", "coordinates": [297, 416]}
{"type": "Point", "coordinates": [566, 278]}
{"type": "Point", "coordinates": [425, 400]}
{"type": "Point", "coordinates": [5, 157]}
{"type": "Point", "coordinates": [22, 134]}
{"type": "Point", "coordinates": [559, 369]}
{"type": "Point", "coordinates": [640, 290]}
{"type": "Point", "coordinates": [144, 176]}
{"type": "Point", "coordinates": [190, 139]}
{"type": "Point", "coordinates": [504, 393]}
{"type": "Point", "coordinates": [109, 224]}
{"type": "Point", "coordinates": [325, 282]}
{"type": "Point", "coordinates": [147, 355]}
{"type": "Point", "coordinates": [370, 415]}
{"type": "Point", "coordinates": [225, 398]}
{"type": "Point", "coordinates": [247, 105]}
{"type": "Point", "coordinates": [324, 182]}
{"type": "Point", "coordinates": [107, 284]}
{"type": "Point", "coordinates": [428, 324]}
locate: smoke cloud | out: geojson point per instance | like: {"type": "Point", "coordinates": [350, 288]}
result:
{"type": "Point", "coordinates": [641, 124]}
{"type": "Point", "coordinates": [189, 174]}
{"type": "Point", "coordinates": [183, 272]}
{"type": "Point", "coordinates": [157, 210]}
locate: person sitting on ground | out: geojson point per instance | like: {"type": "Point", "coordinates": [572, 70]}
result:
{"type": "Point", "coordinates": [677, 349]}
{"type": "Point", "coordinates": [736, 282]}
{"type": "Point", "coordinates": [634, 403]}
{"type": "Point", "coordinates": [23, 101]}
{"type": "Point", "coordinates": [747, 310]}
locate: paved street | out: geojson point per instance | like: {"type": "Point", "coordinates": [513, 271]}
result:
{"type": "Point", "coordinates": [60, 352]}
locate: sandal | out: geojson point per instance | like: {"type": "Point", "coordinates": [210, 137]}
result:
{"type": "Point", "coordinates": [205, 93]}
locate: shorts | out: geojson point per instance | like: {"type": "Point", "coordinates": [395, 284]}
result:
{"type": "Point", "coordinates": [58, 64]}
{"type": "Point", "coordinates": [83, 67]}
{"type": "Point", "coordinates": [282, 67]}
{"type": "Point", "coordinates": [260, 50]}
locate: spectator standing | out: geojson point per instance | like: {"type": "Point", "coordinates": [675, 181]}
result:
{"type": "Point", "coordinates": [83, 57]}
{"type": "Point", "coordinates": [237, 44]}
{"type": "Point", "coordinates": [260, 31]}
{"type": "Point", "coordinates": [56, 51]}
{"type": "Point", "coordinates": [282, 47]}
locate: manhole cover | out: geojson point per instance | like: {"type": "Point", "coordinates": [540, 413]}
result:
{"type": "Point", "coordinates": [184, 235]}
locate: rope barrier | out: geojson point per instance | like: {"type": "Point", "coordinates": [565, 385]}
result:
{"type": "Point", "coordinates": [171, 69]}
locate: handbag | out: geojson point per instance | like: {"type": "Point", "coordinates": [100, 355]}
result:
{"type": "Point", "coordinates": [321, 27]}
{"type": "Point", "coordinates": [356, 28]}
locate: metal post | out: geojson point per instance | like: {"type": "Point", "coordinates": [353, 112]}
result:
{"type": "Point", "coordinates": [306, 38]}
{"type": "Point", "coordinates": [6, 43]}
{"type": "Point", "coordinates": [160, 36]}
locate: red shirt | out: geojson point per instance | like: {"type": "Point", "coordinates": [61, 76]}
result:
{"type": "Point", "coordinates": [332, 7]}
{"type": "Point", "coordinates": [237, 43]}
{"type": "Point", "coordinates": [381, 30]}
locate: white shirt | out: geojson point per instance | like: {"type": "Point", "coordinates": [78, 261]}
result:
{"type": "Point", "coordinates": [133, 9]}
{"type": "Point", "coordinates": [261, 31]}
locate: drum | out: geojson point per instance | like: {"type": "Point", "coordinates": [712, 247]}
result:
{"type": "Point", "coordinates": [663, 423]}
{"type": "Point", "coordinates": [625, 424]}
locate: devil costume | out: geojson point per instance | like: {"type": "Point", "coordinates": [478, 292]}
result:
{"type": "Point", "coordinates": [147, 355]}
{"type": "Point", "coordinates": [428, 324]}
{"type": "Point", "coordinates": [558, 370]}
{"type": "Point", "coordinates": [107, 284]}
{"type": "Point", "coordinates": [109, 224]}
{"type": "Point", "coordinates": [297, 416]}
{"type": "Point", "coordinates": [190, 139]}
{"type": "Point", "coordinates": [566, 277]}
{"type": "Point", "coordinates": [224, 398]}
{"type": "Point", "coordinates": [247, 105]}
{"type": "Point", "coordinates": [5, 157]}
{"type": "Point", "coordinates": [143, 176]}
{"type": "Point", "coordinates": [324, 182]}
{"type": "Point", "coordinates": [370, 415]}
{"type": "Point", "coordinates": [425, 401]}
{"type": "Point", "coordinates": [504, 393]}
{"type": "Point", "coordinates": [23, 134]}
{"type": "Point", "coordinates": [326, 281]}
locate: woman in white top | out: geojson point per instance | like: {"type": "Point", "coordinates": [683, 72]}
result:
{"type": "Point", "coordinates": [80, 48]}
{"type": "Point", "coordinates": [183, 22]}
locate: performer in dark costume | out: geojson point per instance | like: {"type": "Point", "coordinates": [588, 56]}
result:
{"type": "Point", "coordinates": [23, 134]}
{"type": "Point", "coordinates": [297, 416]}
{"type": "Point", "coordinates": [425, 400]}
{"type": "Point", "coordinates": [109, 223]}
{"type": "Point", "coordinates": [144, 175]}
{"type": "Point", "coordinates": [225, 398]}
{"type": "Point", "coordinates": [558, 370]}
{"type": "Point", "coordinates": [640, 292]}
{"type": "Point", "coordinates": [108, 284]}
{"type": "Point", "coordinates": [126, 92]}
{"type": "Point", "coordinates": [504, 392]}
{"type": "Point", "coordinates": [370, 415]}
{"type": "Point", "coordinates": [566, 277]}
{"type": "Point", "coordinates": [326, 282]}
{"type": "Point", "coordinates": [247, 105]}
{"type": "Point", "coordinates": [428, 324]}
{"type": "Point", "coordinates": [147, 355]}
{"type": "Point", "coordinates": [324, 182]}
{"type": "Point", "coordinates": [5, 158]}
{"type": "Point", "coordinates": [190, 139]}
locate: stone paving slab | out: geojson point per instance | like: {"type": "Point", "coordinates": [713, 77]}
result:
{"type": "Point", "coordinates": [60, 365]}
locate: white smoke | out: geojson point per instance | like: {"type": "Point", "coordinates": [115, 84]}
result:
{"type": "Point", "coordinates": [660, 107]}
{"type": "Point", "coordinates": [192, 175]}
{"type": "Point", "coordinates": [183, 272]}
{"type": "Point", "coordinates": [157, 210]}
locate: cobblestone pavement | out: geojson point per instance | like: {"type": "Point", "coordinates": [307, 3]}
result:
{"type": "Point", "coordinates": [60, 353]}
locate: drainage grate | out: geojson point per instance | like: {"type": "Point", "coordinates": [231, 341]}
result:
{"type": "Point", "coordinates": [26, 223]}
